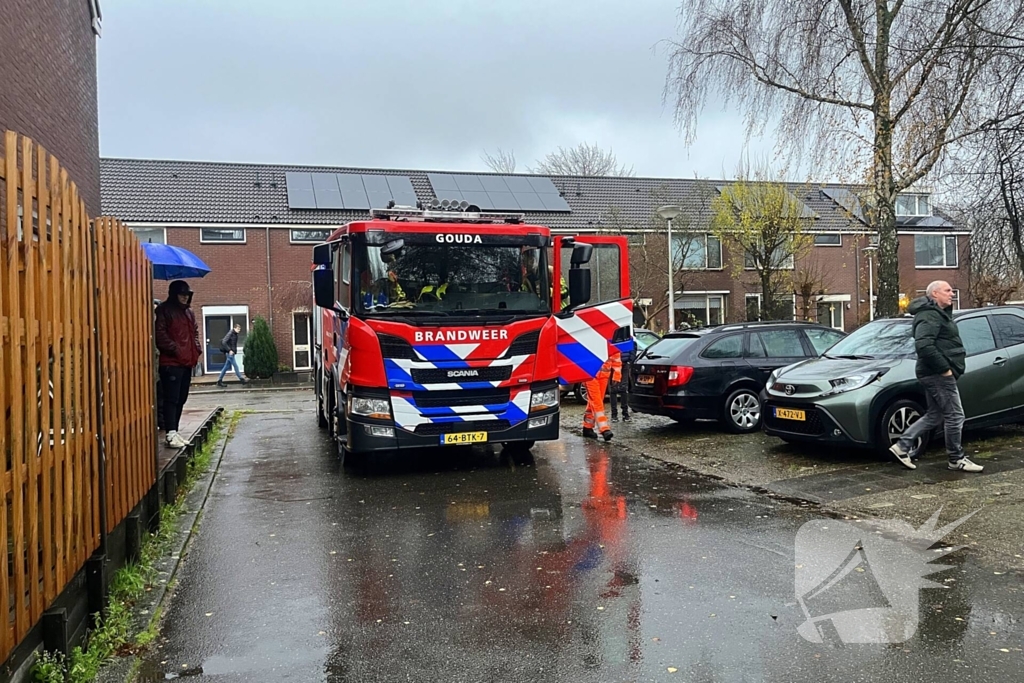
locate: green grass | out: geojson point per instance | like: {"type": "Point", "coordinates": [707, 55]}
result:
{"type": "Point", "coordinates": [112, 635]}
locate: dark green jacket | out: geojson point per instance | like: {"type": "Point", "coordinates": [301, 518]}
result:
{"type": "Point", "coordinates": [937, 339]}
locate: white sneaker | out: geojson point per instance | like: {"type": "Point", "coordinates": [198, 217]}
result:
{"type": "Point", "coordinates": [902, 456]}
{"type": "Point", "coordinates": [174, 440]}
{"type": "Point", "coordinates": [965, 465]}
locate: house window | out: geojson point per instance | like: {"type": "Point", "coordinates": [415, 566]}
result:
{"type": "Point", "coordinates": [221, 235]}
{"type": "Point", "coordinates": [311, 235]}
{"type": "Point", "coordinates": [699, 310]}
{"type": "Point", "coordinates": [831, 313]}
{"type": "Point", "coordinates": [935, 251]}
{"type": "Point", "coordinates": [956, 297]}
{"type": "Point", "coordinates": [301, 334]}
{"type": "Point", "coordinates": [151, 235]}
{"type": "Point", "coordinates": [828, 240]}
{"type": "Point", "coordinates": [913, 205]}
{"type": "Point", "coordinates": [697, 251]}
{"type": "Point", "coordinates": [784, 308]}
{"type": "Point", "coordinates": [781, 258]}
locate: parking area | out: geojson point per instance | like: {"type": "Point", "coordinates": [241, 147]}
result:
{"type": "Point", "coordinates": [850, 482]}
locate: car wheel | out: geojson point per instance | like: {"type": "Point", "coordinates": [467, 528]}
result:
{"type": "Point", "coordinates": [896, 419]}
{"type": "Point", "coordinates": [742, 411]}
{"type": "Point", "coordinates": [580, 391]}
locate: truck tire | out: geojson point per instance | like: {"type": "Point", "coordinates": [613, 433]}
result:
{"type": "Point", "coordinates": [321, 419]}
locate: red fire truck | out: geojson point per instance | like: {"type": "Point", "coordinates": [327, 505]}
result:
{"type": "Point", "coordinates": [440, 326]}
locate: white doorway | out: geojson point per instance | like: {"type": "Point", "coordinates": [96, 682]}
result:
{"type": "Point", "coordinates": [302, 333]}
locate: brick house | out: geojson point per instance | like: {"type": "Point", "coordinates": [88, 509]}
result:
{"type": "Point", "coordinates": [257, 236]}
{"type": "Point", "coordinates": [48, 83]}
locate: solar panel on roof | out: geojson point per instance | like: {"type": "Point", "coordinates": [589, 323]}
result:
{"type": "Point", "coordinates": [469, 183]}
{"type": "Point", "coordinates": [529, 201]}
{"type": "Point", "coordinates": [300, 190]}
{"type": "Point", "coordinates": [543, 186]}
{"type": "Point", "coordinates": [493, 183]}
{"type": "Point", "coordinates": [326, 192]}
{"type": "Point", "coordinates": [401, 190]}
{"type": "Point", "coordinates": [377, 191]}
{"type": "Point", "coordinates": [442, 181]}
{"type": "Point", "coordinates": [846, 199]}
{"type": "Point", "coordinates": [499, 193]}
{"type": "Point", "coordinates": [552, 202]}
{"type": "Point", "coordinates": [353, 194]}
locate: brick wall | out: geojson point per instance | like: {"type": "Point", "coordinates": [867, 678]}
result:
{"type": "Point", "coordinates": [238, 277]}
{"type": "Point", "coordinates": [48, 84]}
{"type": "Point", "coordinates": [836, 266]}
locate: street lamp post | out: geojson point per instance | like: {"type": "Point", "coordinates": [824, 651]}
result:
{"type": "Point", "coordinates": [669, 212]}
{"type": "Point", "coordinates": [870, 252]}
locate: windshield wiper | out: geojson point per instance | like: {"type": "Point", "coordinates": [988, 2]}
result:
{"type": "Point", "coordinates": [652, 355]}
{"type": "Point", "coordinates": [405, 311]}
{"type": "Point", "coordinates": [848, 356]}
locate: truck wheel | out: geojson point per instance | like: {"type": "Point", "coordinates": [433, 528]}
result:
{"type": "Point", "coordinates": [897, 417]}
{"type": "Point", "coordinates": [321, 420]}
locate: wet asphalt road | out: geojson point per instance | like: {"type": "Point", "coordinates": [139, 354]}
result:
{"type": "Point", "coordinates": [586, 565]}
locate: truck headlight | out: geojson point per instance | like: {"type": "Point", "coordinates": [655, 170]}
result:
{"type": "Point", "coordinates": [544, 399]}
{"type": "Point", "coordinates": [378, 408]}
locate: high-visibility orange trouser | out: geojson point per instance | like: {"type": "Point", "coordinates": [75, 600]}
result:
{"type": "Point", "coordinates": [595, 403]}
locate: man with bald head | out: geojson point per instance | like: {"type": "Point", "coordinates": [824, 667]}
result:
{"type": "Point", "coordinates": [940, 363]}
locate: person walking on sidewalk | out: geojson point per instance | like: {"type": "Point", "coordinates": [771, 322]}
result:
{"type": "Point", "coordinates": [940, 363]}
{"type": "Point", "coordinates": [229, 345]}
{"type": "Point", "coordinates": [594, 415]}
{"type": "Point", "coordinates": [177, 339]}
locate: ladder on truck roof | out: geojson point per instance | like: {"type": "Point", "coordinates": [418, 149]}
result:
{"type": "Point", "coordinates": [444, 211]}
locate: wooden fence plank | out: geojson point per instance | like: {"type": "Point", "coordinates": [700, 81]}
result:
{"type": "Point", "coordinates": [33, 213]}
{"type": "Point", "coordinates": [9, 171]}
{"type": "Point", "coordinates": [47, 233]}
{"type": "Point", "coordinates": [17, 384]}
{"type": "Point", "coordinates": [69, 387]}
{"type": "Point", "coordinates": [59, 178]}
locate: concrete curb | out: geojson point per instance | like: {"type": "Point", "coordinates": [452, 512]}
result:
{"type": "Point", "coordinates": [151, 608]}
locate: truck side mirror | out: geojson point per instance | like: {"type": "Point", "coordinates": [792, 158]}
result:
{"type": "Point", "coordinates": [323, 288]}
{"type": "Point", "coordinates": [579, 286]}
{"type": "Point", "coordinates": [581, 254]}
{"type": "Point", "coordinates": [322, 255]}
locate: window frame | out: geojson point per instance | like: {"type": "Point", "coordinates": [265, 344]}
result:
{"type": "Point", "coordinates": [292, 231]}
{"type": "Point", "coordinates": [707, 305]}
{"type": "Point", "coordinates": [917, 197]}
{"type": "Point", "coordinates": [789, 264]}
{"type": "Point", "coordinates": [136, 230]}
{"type": "Point", "coordinates": [945, 251]}
{"type": "Point", "coordinates": [308, 346]}
{"type": "Point", "coordinates": [724, 337]}
{"type": "Point", "coordinates": [807, 349]}
{"type": "Point", "coordinates": [203, 240]}
{"type": "Point", "coordinates": [706, 236]}
{"type": "Point", "coordinates": [828, 244]}
{"type": "Point", "coordinates": [1003, 342]}
{"type": "Point", "coordinates": [759, 296]}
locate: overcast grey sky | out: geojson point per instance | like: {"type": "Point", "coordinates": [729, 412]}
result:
{"type": "Point", "coordinates": [398, 83]}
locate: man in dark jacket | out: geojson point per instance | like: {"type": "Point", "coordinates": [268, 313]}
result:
{"type": "Point", "coordinates": [177, 339]}
{"type": "Point", "coordinates": [940, 363]}
{"type": "Point", "coordinates": [229, 345]}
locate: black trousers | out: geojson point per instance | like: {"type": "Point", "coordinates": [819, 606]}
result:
{"type": "Point", "coordinates": [174, 385]}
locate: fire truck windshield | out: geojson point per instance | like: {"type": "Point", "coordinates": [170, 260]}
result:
{"type": "Point", "coordinates": [441, 279]}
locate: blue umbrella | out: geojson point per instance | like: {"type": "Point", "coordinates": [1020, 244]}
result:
{"type": "Point", "coordinates": [174, 263]}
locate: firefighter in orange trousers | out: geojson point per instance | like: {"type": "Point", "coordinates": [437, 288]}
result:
{"type": "Point", "coordinates": [594, 415]}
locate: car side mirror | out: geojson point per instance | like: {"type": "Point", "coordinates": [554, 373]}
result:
{"type": "Point", "coordinates": [323, 288]}
{"type": "Point", "coordinates": [322, 255]}
{"type": "Point", "coordinates": [581, 254]}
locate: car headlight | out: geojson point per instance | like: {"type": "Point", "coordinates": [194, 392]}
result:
{"type": "Point", "coordinates": [774, 376]}
{"type": "Point", "coordinates": [543, 399]}
{"type": "Point", "coordinates": [379, 408]}
{"type": "Point", "coordinates": [851, 382]}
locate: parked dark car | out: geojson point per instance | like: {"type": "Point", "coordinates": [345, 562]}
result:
{"type": "Point", "coordinates": [864, 392]}
{"type": "Point", "coordinates": [718, 372]}
{"type": "Point", "coordinates": [642, 338]}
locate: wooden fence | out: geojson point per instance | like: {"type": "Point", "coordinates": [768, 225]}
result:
{"type": "Point", "coordinates": [76, 382]}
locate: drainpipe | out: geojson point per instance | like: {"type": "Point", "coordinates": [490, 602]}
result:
{"type": "Point", "coordinates": [270, 294]}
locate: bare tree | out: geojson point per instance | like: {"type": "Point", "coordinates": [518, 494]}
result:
{"type": "Point", "coordinates": [889, 84]}
{"type": "Point", "coordinates": [811, 280]}
{"type": "Point", "coordinates": [501, 161]}
{"type": "Point", "coordinates": [582, 160]}
{"type": "Point", "coordinates": [763, 223]}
